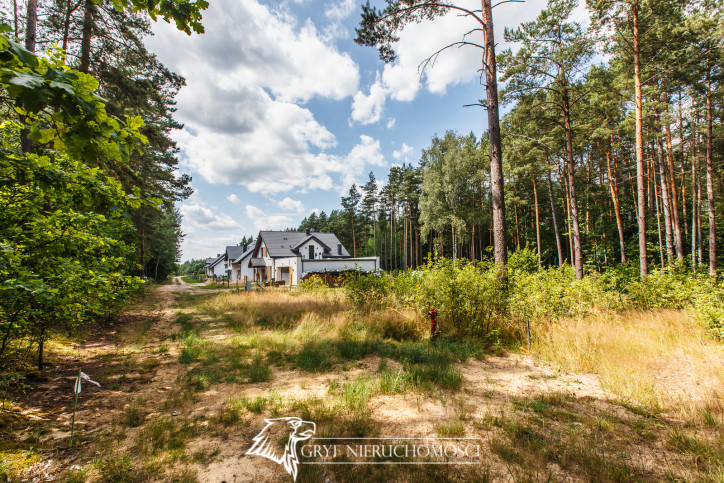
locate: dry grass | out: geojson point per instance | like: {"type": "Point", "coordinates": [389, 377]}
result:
{"type": "Point", "coordinates": [229, 360]}
{"type": "Point", "coordinates": [658, 360]}
{"type": "Point", "coordinates": [274, 309]}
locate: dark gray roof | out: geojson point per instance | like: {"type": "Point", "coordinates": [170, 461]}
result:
{"type": "Point", "coordinates": [211, 260]}
{"type": "Point", "coordinates": [233, 252]}
{"type": "Point", "coordinates": [217, 260]}
{"type": "Point", "coordinates": [306, 239]}
{"type": "Point", "coordinates": [245, 254]}
{"type": "Point", "coordinates": [283, 243]}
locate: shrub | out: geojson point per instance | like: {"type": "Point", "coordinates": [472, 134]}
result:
{"type": "Point", "coordinates": [466, 295]}
{"type": "Point", "coordinates": [311, 284]}
{"type": "Point", "coordinates": [367, 292]}
{"type": "Point", "coordinates": [553, 293]}
{"type": "Point", "coordinates": [713, 319]}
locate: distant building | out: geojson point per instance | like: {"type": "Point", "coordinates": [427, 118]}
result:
{"type": "Point", "coordinates": [288, 257]}
{"type": "Point", "coordinates": [239, 268]}
{"type": "Point", "coordinates": [208, 270]}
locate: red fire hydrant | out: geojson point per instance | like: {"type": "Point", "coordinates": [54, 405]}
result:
{"type": "Point", "coordinates": [434, 330]}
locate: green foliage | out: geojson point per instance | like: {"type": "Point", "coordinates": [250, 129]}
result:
{"type": "Point", "coordinates": [470, 301]}
{"type": "Point", "coordinates": [453, 169]}
{"type": "Point", "coordinates": [63, 220]}
{"type": "Point", "coordinates": [192, 267]}
{"type": "Point", "coordinates": [185, 14]}
{"type": "Point", "coordinates": [466, 295]}
{"type": "Point", "coordinates": [311, 284]}
{"type": "Point", "coordinates": [367, 292]}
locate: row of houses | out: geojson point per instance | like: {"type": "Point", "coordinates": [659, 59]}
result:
{"type": "Point", "coordinates": [287, 257]}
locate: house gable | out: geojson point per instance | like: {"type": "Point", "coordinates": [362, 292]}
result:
{"type": "Point", "coordinates": [282, 244]}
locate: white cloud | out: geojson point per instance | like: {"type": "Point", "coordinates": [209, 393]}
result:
{"type": "Point", "coordinates": [337, 13]}
{"type": "Point", "coordinates": [289, 204]}
{"type": "Point", "coordinates": [247, 80]}
{"type": "Point", "coordinates": [198, 216]}
{"type": "Point", "coordinates": [352, 166]}
{"type": "Point", "coordinates": [391, 123]}
{"type": "Point", "coordinates": [367, 109]}
{"type": "Point", "coordinates": [340, 10]}
{"type": "Point", "coordinates": [403, 153]}
{"type": "Point", "coordinates": [263, 221]}
{"type": "Point", "coordinates": [234, 199]}
{"type": "Point", "coordinates": [403, 79]}
{"type": "Point", "coordinates": [207, 246]}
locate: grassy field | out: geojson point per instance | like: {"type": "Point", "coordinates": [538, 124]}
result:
{"type": "Point", "coordinates": [188, 377]}
{"type": "Point", "coordinates": [188, 279]}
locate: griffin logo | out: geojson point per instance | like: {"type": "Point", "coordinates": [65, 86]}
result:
{"type": "Point", "coordinates": [278, 441]}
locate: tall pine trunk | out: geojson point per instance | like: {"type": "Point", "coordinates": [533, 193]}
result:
{"type": "Point", "coordinates": [710, 174]}
{"type": "Point", "coordinates": [643, 256]}
{"type": "Point", "coordinates": [553, 210]}
{"type": "Point", "coordinates": [694, 198]}
{"type": "Point", "coordinates": [665, 202]}
{"type": "Point", "coordinates": [537, 214]}
{"type": "Point", "coordinates": [496, 156]}
{"type": "Point", "coordinates": [85, 43]}
{"type": "Point", "coordinates": [613, 188]}
{"type": "Point", "coordinates": [577, 249]}
{"type": "Point", "coordinates": [674, 196]}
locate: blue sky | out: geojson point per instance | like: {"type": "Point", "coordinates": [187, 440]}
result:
{"type": "Point", "coordinates": [283, 111]}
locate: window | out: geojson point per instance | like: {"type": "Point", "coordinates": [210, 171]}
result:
{"type": "Point", "coordinates": [311, 252]}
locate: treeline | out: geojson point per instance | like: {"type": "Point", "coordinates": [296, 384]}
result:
{"type": "Point", "coordinates": [603, 162]}
{"type": "Point", "coordinates": [88, 171]}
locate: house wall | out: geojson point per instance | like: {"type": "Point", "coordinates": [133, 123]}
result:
{"type": "Point", "coordinates": [245, 270]}
{"type": "Point", "coordinates": [268, 261]}
{"type": "Point", "coordinates": [293, 263]}
{"type": "Point", "coordinates": [234, 273]}
{"type": "Point", "coordinates": [241, 270]}
{"type": "Point", "coordinates": [304, 250]}
{"type": "Point", "coordinates": [368, 264]}
{"type": "Point", "coordinates": [219, 270]}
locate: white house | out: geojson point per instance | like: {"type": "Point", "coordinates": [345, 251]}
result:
{"type": "Point", "coordinates": [217, 268]}
{"type": "Point", "coordinates": [209, 271]}
{"type": "Point", "coordinates": [289, 256]}
{"type": "Point", "coordinates": [240, 269]}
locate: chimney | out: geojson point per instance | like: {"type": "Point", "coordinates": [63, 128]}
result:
{"type": "Point", "coordinates": [218, 255]}
{"type": "Point", "coordinates": [308, 232]}
{"type": "Point", "coordinates": [339, 248]}
{"type": "Point", "coordinates": [245, 247]}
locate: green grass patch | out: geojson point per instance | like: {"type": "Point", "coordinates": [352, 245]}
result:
{"type": "Point", "coordinates": [445, 376]}
{"type": "Point", "coordinates": [450, 429]}
{"type": "Point", "coordinates": [193, 280]}
{"type": "Point", "coordinates": [15, 459]}
{"type": "Point", "coordinates": [315, 357]}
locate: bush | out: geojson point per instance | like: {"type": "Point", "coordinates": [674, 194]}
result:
{"type": "Point", "coordinates": [367, 292]}
{"type": "Point", "coordinates": [471, 302]}
{"type": "Point", "coordinates": [553, 293]}
{"type": "Point", "coordinates": [466, 295]}
{"type": "Point", "coordinates": [311, 284]}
